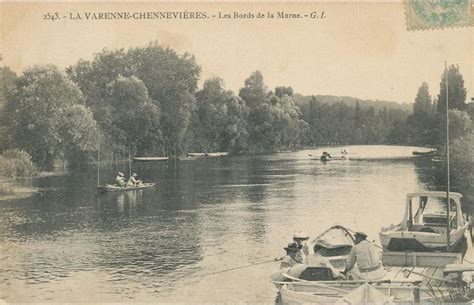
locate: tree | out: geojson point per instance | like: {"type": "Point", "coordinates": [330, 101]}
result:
{"type": "Point", "coordinates": [280, 91]}
{"type": "Point", "coordinates": [254, 91]}
{"type": "Point", "coordinates": [219, 118]}
{"type": "Point", "coordinates": [456, 90]}
{"type": "Point", "coordinates": [170, 80]}
{"type": "Point", "coordinates": [78, 133]}
{"type": "Point", "coordinates": [135, 118]}
{"type": "Point", "coordinates": [422, 106]}
{"type": "Point", "coordinates": [7, 82]}
{"type": "Point", "coordinates": [273, 120]}
{"type": "Point", "coordinates": [45, 115]}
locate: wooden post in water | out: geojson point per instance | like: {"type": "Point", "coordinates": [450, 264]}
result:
{"type": "Point", "coordinates": [124, 162]}
{"type": "Point", "coordinates": [129, 163]}
{"type": "Point", "coordinates": [448, 225]}
{"type": "Point", "coordinates": [98, 163]}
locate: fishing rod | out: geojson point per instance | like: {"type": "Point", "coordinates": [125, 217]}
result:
{"type": "Point", "coordinates": [232, 269]}
{"type": "Point", "coordinates": [372, 242]}
{"type": "Point", "coordinates": [172, 180]}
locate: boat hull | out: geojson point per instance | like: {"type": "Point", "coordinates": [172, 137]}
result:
{"type": "Point", "coordinates": [401, 294]}
{"type": "Point", "coordinates": [113, 188]}
{"type": "Point", "coordinates": [422, 242]}
{"type": "Point", "coordinates": [150, 159]}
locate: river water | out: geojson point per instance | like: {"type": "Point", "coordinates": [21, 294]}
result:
{"type": "Point", "coordinates": [204, 216]}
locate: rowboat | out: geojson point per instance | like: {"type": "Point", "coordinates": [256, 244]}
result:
{"type": "Point", "coordinates": [150, 159]}
{"type": "Point", "coordinates": [424, 225]}
{"type": "Point", "coordinates": [407, 276]}
{"type": "Point", "coordinates": [115, 188]}
{"type": "Point", "coordinates": [410, 278]}
{"type": "Point", "coordinates": [325, 257]}
{"type": "Point", "coordinates": [333, 245]}
{"type": "Point", "coordinates": [433, 152]}
{"type": "Point", "coordinates": [332, 158]}
{"type": "Point", "coordinates": [216, 154]}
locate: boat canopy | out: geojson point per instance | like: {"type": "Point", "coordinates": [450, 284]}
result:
{"type": "Point", "coordinates": [429, 209]}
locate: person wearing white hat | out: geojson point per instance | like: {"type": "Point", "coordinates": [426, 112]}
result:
{"type": "Point", "coordinates": [133, 180]}
{"type": "Point", "coordinates": [368, 258]}
{"type": "Point", "coordinates": [300, 239]}
{"type": "Point", "coordinates": [120, 179]}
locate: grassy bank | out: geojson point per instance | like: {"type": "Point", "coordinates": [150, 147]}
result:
{"type": "Point", "coordinates": [15, 164]}
{"type": "Point", "coordinates": [11, 191]}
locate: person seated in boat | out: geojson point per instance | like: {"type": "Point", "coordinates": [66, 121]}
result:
{"type": "Point", "coordinates": [289, 260]}
{"type": "Point", "coordinates": [120, 179]}
{"type": "Point", "coordinates": [133, 180]}
{"type": "Point", "coordinates": [300, 239]}
{"type": "Point", "coordinates": [368, 260]}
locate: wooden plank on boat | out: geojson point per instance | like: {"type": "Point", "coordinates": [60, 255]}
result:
{"type": "Point", "coordinates": [420, 259]}
{"type": "Point", "coordinates": [458, 268]}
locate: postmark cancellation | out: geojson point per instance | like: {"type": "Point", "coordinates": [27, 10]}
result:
{"type": "Point", "coordinates": [438, 14]}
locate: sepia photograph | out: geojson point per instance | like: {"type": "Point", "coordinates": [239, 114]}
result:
{"type": "Point", "coordinates": [237, 152]}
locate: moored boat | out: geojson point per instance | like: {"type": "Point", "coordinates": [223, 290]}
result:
{"type": "Point", "coordinates": [424, 225]}
{"type": "Point", "coordinates": [115, 188]}
{"type": "Point", "coordinates": [215, 154]}
{"type": "Point", "coordinates": [333, 245]}
{"type": "Point", "coordinates": [433, 152]}
{"type": "Point", "coordinates": [150, 159]}
{"type": "Point", "coordinates": [408, 277]}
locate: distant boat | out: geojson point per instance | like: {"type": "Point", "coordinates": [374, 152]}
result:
{"type": "Point", "coordinates": [150, 159]}
{"type": "Point", "coordinates": [115, 188]}
{"type": "Point", "coordinates": [326, 158]}
{"type": "Point", "coordinates": [433, 152]}
{"type": "Point", "coordinates": [216, 154]}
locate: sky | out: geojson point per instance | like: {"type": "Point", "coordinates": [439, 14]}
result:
{"type": "Point", "coordinates": [359, 49]}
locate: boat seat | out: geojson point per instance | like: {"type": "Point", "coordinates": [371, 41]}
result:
{"type": "Point", "coordinates": [427, 229]}
{"type": "Point", "coordinates": [421, 228]}
{"type": "Point", "coordinates": [317, 274]}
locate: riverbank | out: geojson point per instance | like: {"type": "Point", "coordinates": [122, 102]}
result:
{"type": "Point", "coordinates": [18, 193]}
{"type": "Point", "coordinates": [14, 189]}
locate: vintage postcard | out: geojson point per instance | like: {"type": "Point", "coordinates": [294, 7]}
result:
{"type": "Point", "coordinates": [236, 152]}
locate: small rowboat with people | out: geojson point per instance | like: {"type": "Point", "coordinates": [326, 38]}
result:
{"type": "Point", "coordinates": [326, 157]}
{"type": "Point", "coordinates": [322, 258]}
{"type": "Point", "coordinates": [115, 188]}
{"type": "Point", "coordinates": [334, 244]}
{"type": "Point", "coordinates": [404, 277]}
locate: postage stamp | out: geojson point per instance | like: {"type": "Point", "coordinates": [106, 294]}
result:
{"type": "Point", "coordinates": [438, 14]}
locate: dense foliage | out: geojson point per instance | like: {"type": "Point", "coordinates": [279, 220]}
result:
{"type": "Point", "coordinates": [147, 100]}
{"type": "Point", "coordinates": [15, 163]}
{"type": "Point", "coordinates": [45, 116]}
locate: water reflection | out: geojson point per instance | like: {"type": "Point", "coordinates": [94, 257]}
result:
{"type": "Point", "coordinates": [206, 215]}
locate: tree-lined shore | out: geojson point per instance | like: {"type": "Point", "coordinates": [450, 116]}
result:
{"type": "Point", "coordinates": [147, 100]}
